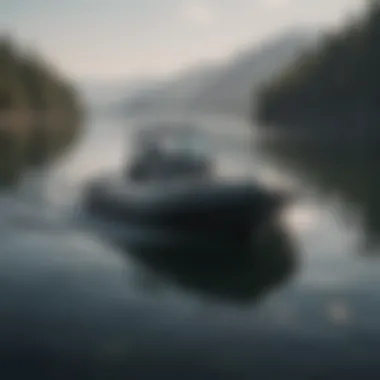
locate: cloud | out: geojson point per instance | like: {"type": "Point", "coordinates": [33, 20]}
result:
{"type": "Point", "coordinates": [197, 12]}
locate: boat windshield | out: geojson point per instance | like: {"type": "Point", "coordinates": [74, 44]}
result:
{"type": "Point", "coordinates": [187, 141]}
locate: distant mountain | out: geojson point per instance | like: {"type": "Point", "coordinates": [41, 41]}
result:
{"type": "Point", "coordinates": [103, 93]}
{"type": "Point", "coordinates": [227, 87]}
{"type": "Point", "coordinates": [242, 76]}
{"type": "Point", "coordinates": [177, 93]}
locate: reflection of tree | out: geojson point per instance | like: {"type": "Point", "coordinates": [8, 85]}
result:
{"type": "Point", "coordinates": [350, 173]}
{"type": "Point", "coordinates": [237, 275]}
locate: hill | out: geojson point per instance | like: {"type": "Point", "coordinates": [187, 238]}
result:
{"type": "Point", "coordinates": [101, 94]}
{"type": "Point", "coordinates": [224, 87]}
{"type": "Point", "coordinates": [40, 111]}
{"type": "Point", "coordinates": [174, 93]}
{"type": "Point", "coordinates": [242, 76]}
{"type": "Point", "coordinates": [332, 90]}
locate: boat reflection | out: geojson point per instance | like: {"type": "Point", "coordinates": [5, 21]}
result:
{"type": "Point", "coordinates": [241, 275]}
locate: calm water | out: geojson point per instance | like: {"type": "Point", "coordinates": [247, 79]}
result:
{"type": "Point", "coordinates": [304, 305]}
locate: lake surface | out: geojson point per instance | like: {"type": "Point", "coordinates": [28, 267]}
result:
{"type": "Point", "coordinates": [304, 305]}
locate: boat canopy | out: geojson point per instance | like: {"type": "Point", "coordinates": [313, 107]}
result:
{"type": "Point", "coordinates": [172, 139]}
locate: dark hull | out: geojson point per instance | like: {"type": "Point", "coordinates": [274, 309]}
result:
{"type": "Point", "coordinates": [208, 210]}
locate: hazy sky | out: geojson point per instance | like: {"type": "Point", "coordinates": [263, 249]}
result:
{"type": "Point", "coordinates": [126, 38]}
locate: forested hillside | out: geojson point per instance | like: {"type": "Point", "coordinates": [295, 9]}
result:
{"type": "Point", "coordinates": [333, 89]}
{"type": "Point", "coordinates": [40, 111]}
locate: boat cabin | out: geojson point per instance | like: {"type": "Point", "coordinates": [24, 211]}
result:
{"type": "Point", "coordinates": [164, 151]}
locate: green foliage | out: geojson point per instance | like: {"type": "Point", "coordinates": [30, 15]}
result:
{"type": "Point", "coordinates": [39, 111]}
{"type": "Point", "coordinates": [336, 84]}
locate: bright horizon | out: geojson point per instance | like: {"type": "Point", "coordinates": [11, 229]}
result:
{"type": "Point", "coordinates": [126, 39]}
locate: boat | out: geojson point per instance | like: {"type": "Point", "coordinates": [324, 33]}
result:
{"type": "Point", "coordinates": [189, 206]}
{"type": "Point", "coordinates": [185, 211]}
